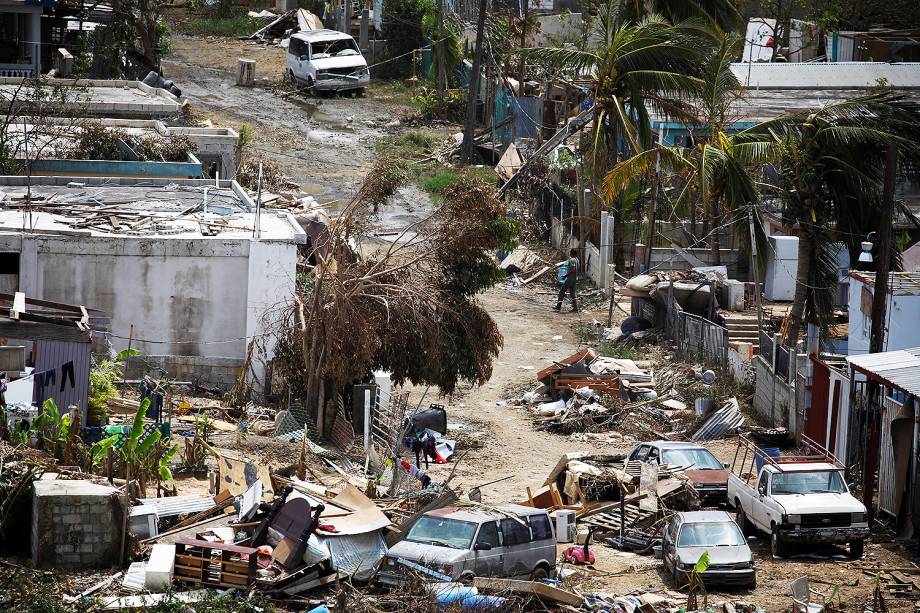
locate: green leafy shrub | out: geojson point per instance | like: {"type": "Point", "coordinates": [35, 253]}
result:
{"type": "Point", "coordinates": [439, 182]}
{"type": "Point", "coordinates": [430, 107]}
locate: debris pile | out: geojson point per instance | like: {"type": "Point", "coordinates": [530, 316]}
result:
{"type": "Point", "coordinates": [282, 26]}
{"type": "Point", "coordinates": [588, 395]}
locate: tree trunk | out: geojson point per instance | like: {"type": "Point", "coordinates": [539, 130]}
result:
{"type": "Point", "coordinates": [715, 222]}
{"type": "Point", "coordinates": [470, 127]}
{"type": "Point", "coordinates": [521, 66]}
{"type": "Point", "coordinates": [440, 72]}
{"type": "Point", "coordinates": [797, 311]}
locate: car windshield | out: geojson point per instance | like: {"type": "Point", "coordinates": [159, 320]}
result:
{"type": "Point", "coordinates": [329, 48]}
{"type": "Point", "coordinates": [697, 458]}
{"type": "Point", "coordinates": [442, 531]}
{"type": "Point", "coordinates": [710, 534]}
{"type": "Point", "coordinates": [823, 482]}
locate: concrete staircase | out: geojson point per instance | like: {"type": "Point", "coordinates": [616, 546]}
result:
{"type": "Point", "coordinates": [743, 329]}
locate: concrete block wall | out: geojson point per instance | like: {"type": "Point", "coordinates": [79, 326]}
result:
{"type": "Point", "coordinates": [75, 524]}
{"type": "Point", "coordinates": [206, 370]}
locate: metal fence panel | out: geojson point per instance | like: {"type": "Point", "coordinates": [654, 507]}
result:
{"type": "Point", "coordinates": [701, 339]}
{"type": "Point", "coordinates": [766, 346]}
{"type": "Point", "coordinates": [783, 358]}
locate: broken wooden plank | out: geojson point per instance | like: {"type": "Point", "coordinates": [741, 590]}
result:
{"type": "Point", "coordinates": [541, 590]}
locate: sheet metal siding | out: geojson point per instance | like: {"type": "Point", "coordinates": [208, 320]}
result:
{"type": "Point", "coordinates": [886, 470]}
{"type": "Point", "coordinates": [52, 355]}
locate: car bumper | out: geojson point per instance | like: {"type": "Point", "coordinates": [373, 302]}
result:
{"type": "Point", "coordinates": [339, 85]}
{"type": "Point", "coordinates": [711, 493]}
{"type": "Point", "coordinates": [824, 535]}
{"type": "Point", "coordinates": [741, 576]}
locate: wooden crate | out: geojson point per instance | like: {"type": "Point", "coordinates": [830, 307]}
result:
{"type": "Point", "coordinates": [215, 564]}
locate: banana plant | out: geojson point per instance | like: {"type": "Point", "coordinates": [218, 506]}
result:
{"type": "Point", "coordinates": [139, 455]}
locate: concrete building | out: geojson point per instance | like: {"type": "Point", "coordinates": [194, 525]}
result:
{"type": "Point", "coordinates": [20, 38]}
{"type": "Point", "coordinates": [48, 141]}
{"type": "Point", "coordinates": [902, 312]}
{"type": "Point", "coordinates": [186, 270]}
{"type": "Point", "coordinates": [92, 98]}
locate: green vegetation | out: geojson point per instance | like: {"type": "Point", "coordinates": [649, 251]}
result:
{"type": "Point", "coordinates": [233, 26]}
{"type": "Point", "coordinates": [438, 183]}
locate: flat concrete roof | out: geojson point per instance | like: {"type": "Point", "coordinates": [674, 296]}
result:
{"type": "Point", "coordinates": [106, 98]}
{"type": "Point", "coordinates": [139, 208]}
{"type": "Point", "coordinates": [827, 75]}
{"type": "Point", "coordinates": [53, 136]}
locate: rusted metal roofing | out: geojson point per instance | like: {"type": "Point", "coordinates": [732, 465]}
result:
{"type": "Point", "coordinates": [896, 369]}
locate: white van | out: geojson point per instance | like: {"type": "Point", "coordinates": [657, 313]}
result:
{"type": "Point", "coordinates": [326, 60]}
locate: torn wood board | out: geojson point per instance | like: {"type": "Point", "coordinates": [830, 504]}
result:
{"type": "Point", "coordinates": [648, 487]}
{"type": "Point", "coordinates": [365, 517]}
{"type": "Point", "coordinates": [519, 260]}
{"type": "Point", "coordinates": [237, 475]}
{"type": "Point", "coordinates": [90, 590]}
{"type": "Point", "coordinates": [510, 162]}
{"type": "Point", "coordinates": [217, 424]}
{"type": "Point", "coordinates": [311, 583]}
{"type": "Point", "coordinates": [173, 536]}
{"type": "Point", "coordinates": [540, 590]}
{"type": "Point", "coordinates": [536, 275]}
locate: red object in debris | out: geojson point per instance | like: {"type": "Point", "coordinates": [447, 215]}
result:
{"type": "Point", "coordinates": [578, 555]}
{"type": "Point", "coordinates": [327, 528]}
{"type": "Point", "coordinates": [770, 42]}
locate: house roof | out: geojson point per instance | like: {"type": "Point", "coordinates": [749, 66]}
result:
{"type": "Point", "coordinates": [900, 283]}
{"type": "Point", "coordinates": [827, 75]}
{"type": "Point", "coordinates": [32, 319]}
{"type": "Point", "coordinates": [161, 209]}
{"type": "Point", "coordinates": [897, 369]}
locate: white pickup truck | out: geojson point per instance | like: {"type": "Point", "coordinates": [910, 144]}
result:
{"type": "Point", "coordinates": [795, 499]}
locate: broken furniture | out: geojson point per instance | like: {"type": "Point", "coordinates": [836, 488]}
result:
{"type": "Point", "coordinates": [215, 564]}
{"type": "Point", "coordinates": [802, 593]}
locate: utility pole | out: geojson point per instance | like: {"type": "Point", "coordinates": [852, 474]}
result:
{"type": "Point", "coordinates": [470, 127]}
{"type": "Point", "coordinates": [653, 213]}
{"type": "Point", "coordinates": [755, 271]}
{"type": "Point", "coordinates": [879, 297]}
{"type": "Point", "coordinates": [440, 70]}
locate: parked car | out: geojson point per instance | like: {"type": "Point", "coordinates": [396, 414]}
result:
{"type": "Point", "coordinates": [708, 475]}
{"type": "Point", "coordinates": [326, 60]}
{"type": "Point", "coordinates": [795, 499]}
{"type": "Point", "coordinates": [465, 543]}
{"type": "Point", "coordinates": [689, 534]}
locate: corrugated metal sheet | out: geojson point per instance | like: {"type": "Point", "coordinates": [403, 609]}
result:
{"type": "Point", "coordinates": [894, 445]}
{"type": "Point", "coordinates": [178, 505]}
{"type": "Point", "coordinates": [55, 356]}
{"type": "Point", "coordinates": [897, 369]}
{"type": "Point", "coordinates": [722, 422]}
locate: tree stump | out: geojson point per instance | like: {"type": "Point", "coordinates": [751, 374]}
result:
{"type": "Point", "coordinates": [246, 76]}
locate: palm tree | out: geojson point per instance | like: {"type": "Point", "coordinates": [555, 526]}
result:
{"type": "Point", "coordinates": [721, 14]}
{"type": "Point", "coordinates": [718, 169]}
{"type": "Point", "coordinates": [642, 66]}
{"type": "Point", "coordinates": [831, 165]}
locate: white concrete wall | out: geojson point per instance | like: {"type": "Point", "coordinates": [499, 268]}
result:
{"type": "Point", "coordinates": [197, 297]}
{"type": "Point", "coordinates": [902, 316]}
{"type": "Point", "coordinates": [272, 279]}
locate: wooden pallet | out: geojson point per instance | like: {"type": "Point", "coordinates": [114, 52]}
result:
{"type": "Point", "coordinates": [608, 384]}
{"type": "Point", "coordinates": [610, 522]}
{"type": "Point", "coordinates": [215, 564]}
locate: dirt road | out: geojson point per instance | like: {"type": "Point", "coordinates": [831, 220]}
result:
{"type": "Point", "coordinates": [511, 445]}
{"type": "Point", "coordinates": [326, 144]}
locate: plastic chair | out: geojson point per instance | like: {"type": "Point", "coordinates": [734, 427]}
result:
{"type": "Point", "coordinates": [802, 597]}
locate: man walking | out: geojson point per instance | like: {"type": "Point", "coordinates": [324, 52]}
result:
{"type": "Point", "coordinates": [568, 275]}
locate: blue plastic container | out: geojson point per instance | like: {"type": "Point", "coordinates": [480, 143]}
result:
{"type": "Point", "coordinates": [772, 452]}
{"type": "Point", "coordinates": [454, 593]}
{"type": "Point", "coordinates": [483, 603]}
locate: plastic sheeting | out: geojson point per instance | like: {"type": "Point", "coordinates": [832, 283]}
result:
{"type": "Point", "coordinates": [355, 554]}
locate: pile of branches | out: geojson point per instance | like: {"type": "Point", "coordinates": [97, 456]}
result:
{"type": "Point", "coordinates": [407, 307]}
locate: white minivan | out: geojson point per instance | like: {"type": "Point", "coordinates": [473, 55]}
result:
{"type": "Point", "coordinates": [326, 60]}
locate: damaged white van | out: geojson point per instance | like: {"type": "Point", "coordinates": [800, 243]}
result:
{"type": "Point", "coordinates": [326, 60]}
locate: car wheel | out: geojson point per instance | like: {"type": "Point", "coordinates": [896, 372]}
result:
{"type": "Point", "coordinates": [311, 86]}
{"type": "Point", "coordinates": [747, 528]}
{"type": "Point", "coordinates": [753, 584]}
{"type": "Point", "coordinates": [857, 548]}
{"type": "Point", "coordinates": [777, 546]}
{"type": "Point", "coordinates": [539, 573]}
